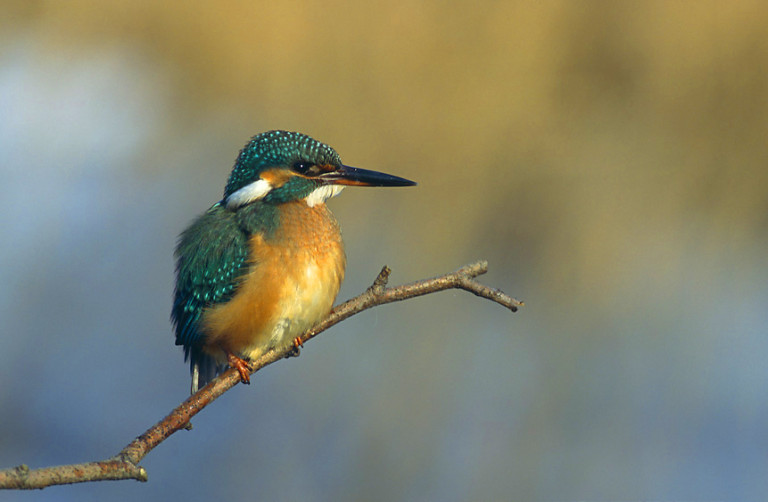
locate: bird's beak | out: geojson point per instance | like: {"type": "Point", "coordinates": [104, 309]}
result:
{"type": "Point", "coordinates": [346, 175]}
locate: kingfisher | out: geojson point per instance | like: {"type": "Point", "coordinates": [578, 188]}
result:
{"type": "Point", "coordinates": [265, 263]}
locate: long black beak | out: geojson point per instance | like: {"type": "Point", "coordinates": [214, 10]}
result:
{"type": "Point", "coordinates": [346, 175]}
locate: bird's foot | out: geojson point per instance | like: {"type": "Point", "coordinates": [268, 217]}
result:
{"type": "Point", "coordinates": [242, 367]}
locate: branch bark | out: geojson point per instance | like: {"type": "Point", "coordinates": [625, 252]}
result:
{"type": "Point", "coordinates": [124, 465]}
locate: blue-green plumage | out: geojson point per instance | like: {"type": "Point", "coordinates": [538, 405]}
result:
{"type": "Point", "coordinates": [278, 149]}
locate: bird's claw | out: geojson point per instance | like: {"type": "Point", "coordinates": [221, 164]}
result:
{"type": "Point", "coordinates": [242, 367]}
{"type": "Point", "coordinates": [295, 348]}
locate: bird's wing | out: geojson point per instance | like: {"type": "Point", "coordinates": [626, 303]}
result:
{"type": "Point", "coordinates": [210, 258]}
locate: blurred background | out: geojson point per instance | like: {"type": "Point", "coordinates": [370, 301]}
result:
{"type": "Point", "coordinates": [608, 159]}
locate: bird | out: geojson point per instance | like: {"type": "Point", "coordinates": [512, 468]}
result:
{"type": "Point", "coordinates": [265, 263]}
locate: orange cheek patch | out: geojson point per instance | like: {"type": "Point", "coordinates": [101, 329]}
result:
{"type": "Point", "coordinates": [277, 177]}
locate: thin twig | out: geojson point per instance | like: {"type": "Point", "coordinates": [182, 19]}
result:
{"type": "Point", "coordinates": [124, 465]}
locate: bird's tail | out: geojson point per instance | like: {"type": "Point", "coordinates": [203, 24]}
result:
{"type": "Point", "coordinates": [203, 368]}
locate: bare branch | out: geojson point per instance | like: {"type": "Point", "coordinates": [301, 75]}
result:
{"type": "Point", "coordinates": [124, 465]}
{"type": "Point", "coordinates": [22, 478]}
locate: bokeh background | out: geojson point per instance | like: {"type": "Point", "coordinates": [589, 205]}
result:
{"type": "Point", "coordinates": [609, 159]}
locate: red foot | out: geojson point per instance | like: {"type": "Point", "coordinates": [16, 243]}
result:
{"type": "Point", "coordinates": [242, 367]}
{"type": "Point", "coordinates": [297, 343]}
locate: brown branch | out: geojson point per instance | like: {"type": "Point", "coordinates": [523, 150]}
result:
{"type": "Point", "coordinates": [124, 465]}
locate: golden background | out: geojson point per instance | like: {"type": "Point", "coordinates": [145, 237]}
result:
{"type": "Point", "coordinates": [608, 158]}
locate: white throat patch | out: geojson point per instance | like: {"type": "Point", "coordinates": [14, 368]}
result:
{"type": "Point", "coordinates": [249, 193]}
{"type": "Point", "coordinates": [321, 194]}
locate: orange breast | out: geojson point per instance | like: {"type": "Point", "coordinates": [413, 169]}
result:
{"type": "Point", "coordinates": [292, 284]}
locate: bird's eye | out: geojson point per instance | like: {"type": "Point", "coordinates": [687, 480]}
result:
{"type": "Point", "coordinates": [306, 168]}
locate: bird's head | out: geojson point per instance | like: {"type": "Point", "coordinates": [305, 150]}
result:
{"type": "Point", "coordinates": [282, 166]}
